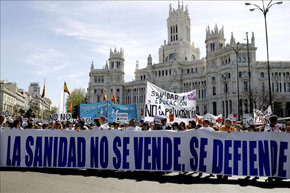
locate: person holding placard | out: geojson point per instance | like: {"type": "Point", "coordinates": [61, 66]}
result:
{"type": "Point", "coordinates": [133, 126]}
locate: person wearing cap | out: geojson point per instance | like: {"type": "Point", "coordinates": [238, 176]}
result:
{"type": "Point", "coordinates": [227, 127]}
{"type": "Point", "coordinates": [126, 125]}
{"type": "Point", "coordinates": [38, 125]}
{"type": "Point", "coordinates": [205, 125]}
{"type": "Point", "coordinates": [133, 126]}
{"type": "Point", "coordinates": [116, 125]}
{"type": "Point", "coordinates": [272, 127]}
{"type": "Point", "coordinates": [175, 126]}
{"type": "Point", "coordinates": [104, 124]}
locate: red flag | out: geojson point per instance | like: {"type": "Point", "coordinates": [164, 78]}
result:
{"type": "Point", "coordinates": [70, 106]}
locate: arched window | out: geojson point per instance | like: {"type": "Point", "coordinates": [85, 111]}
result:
{"type": "Point", "coordinates": [193, 57]}
{"type": "Point", "coordinates": [262, 75]}
{"type": "Point", "coordinates": [171, 56]}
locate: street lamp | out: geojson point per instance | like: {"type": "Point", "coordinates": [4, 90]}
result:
{"type": "Point", "coordinates": [265, 11]}
{"type": "Point", "coordinates": [249, 74]}
{"type": "Point", "coordinates": [236, 50]}
{"type": "Point", "coordinates": [225, 78]}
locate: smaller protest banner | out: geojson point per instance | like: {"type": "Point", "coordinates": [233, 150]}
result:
{"type": "Point", "coordinates": [248, 120]}
{"type": "Point", "coordinates": [171, 117]}
{"type": "Point", "coordinates": [6, 113]}
{"type": "Point", "coordinates": [233, 117]}
{"type": "Point", "coordinates": [260, 117]}
{"type": "Point", "coordinates": [60, 117]}
{"type": "Point", "coordinates": [157, 119]}
{"type": "Point", "coordinates": [122, 116]}
{"type": "Point", "coordinates": [87, 120]}
{"type": "Point", "coordinates": [213, 119]}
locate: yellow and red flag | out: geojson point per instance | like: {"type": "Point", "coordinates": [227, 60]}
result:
{"type": "Point", "coordinates": [113, 99]}
{"type": "Point", "coordinates": [65, 89]}
{"type": "Point", "coordinates": [105, 96]}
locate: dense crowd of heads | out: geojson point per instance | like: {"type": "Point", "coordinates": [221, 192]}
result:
{"type": "Point", "coordinates": [102, 124]}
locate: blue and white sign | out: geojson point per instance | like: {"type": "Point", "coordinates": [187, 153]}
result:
{"type": "Point", "coordinates": [107, 109]}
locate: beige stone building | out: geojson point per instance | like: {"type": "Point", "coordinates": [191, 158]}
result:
{"type": "Point", "coordinates": [215, 76]}
{"type": "Point", "coordinates": [16, 101]}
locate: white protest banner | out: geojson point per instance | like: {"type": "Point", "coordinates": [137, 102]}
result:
{"type": "Point", "coordinates": [60, 117]}
{"type": "Point", "coordinates": [157, 119]}
{"type": "Point", "coordinates": [221, 153]}
{"type": "Point", "coordinates": [233, 117]}
{"type": "Point", "coordinates": [122, 116]}
{"type": "Point", "coordinates": [214, 119]}
{"type": "Point", "coordinates": [163, 103]}
{"type": "Point", "coordinates": [53, 117]}
{"type": "Point", "coordinates": [87, 120]}
{"type": "Point", "coordinates": [248, 120]}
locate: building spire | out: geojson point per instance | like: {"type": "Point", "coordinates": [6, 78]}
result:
{"type": "Point", "coordinates": [92, 65]}
{"type": "Point", "coordinates": [233, 41]}
{"type": "Point", "coordinates": [253, 38]}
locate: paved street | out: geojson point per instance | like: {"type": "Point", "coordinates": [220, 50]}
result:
{"type": "Point", "coordinates": [61, 180]}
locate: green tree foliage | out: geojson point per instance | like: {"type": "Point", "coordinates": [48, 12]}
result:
{"type": "Point", "coordinates": [77, 96]}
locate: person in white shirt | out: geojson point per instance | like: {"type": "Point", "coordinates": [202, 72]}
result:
{"type": "Point", "coordinates": [272, 127]}
{"type": "Point", "coordinates": [133, 126]}
{"type": "Point", "coordinates": [205, 126]}
{"type": "Point", "coordinates": [104, 124]}
{"type": "Point", "coordinates": [97, 124]}
{"type": "Point", "coordinates": [164, 124]}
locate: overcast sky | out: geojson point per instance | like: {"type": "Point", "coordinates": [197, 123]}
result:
{"type": "Point", "coordinates": [58, 40]}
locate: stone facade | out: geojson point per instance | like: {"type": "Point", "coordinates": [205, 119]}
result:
{"type": "Point", "coordinates": [181, 69]}
{"type": "Point", "coordinates": [16, 101]}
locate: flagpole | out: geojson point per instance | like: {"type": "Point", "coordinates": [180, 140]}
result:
{"type": "Point", "coordinates": [63, 98]}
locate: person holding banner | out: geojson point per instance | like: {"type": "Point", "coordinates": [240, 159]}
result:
{"type": "Point", "coordinates": [164, 124]}
{"type": "Point", "coordinates": [17, 125]}
{"type": "Point", "coordinates": [175, 126]}
{"type": "Point", "coordinates": [182, 126]}
{"type": "Point", "coordinates": [205, 126]}
{"type": "Point", "coordinates": [272, 127]}
{"type": "Point", "coordinates": [133, 126]}
{"type": "Point", "coordinates": [97, 124]}
{"type": "Point", "coordinates": [104, 124]}
{"type": "Point", "coordinates": [146, 127]}
{"type": "Point", "coordinates": [227, 127]}
{"type": "Point", "coordinates": [116, 125]}
{"type": "Point", "coordinates": [152, 126]}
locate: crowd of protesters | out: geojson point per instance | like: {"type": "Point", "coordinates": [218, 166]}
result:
{"type": "Point", "coordinates": [102, 124]}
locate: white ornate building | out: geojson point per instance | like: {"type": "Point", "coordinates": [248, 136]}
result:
{"type": "Point", "coordinates": [181, 69]}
